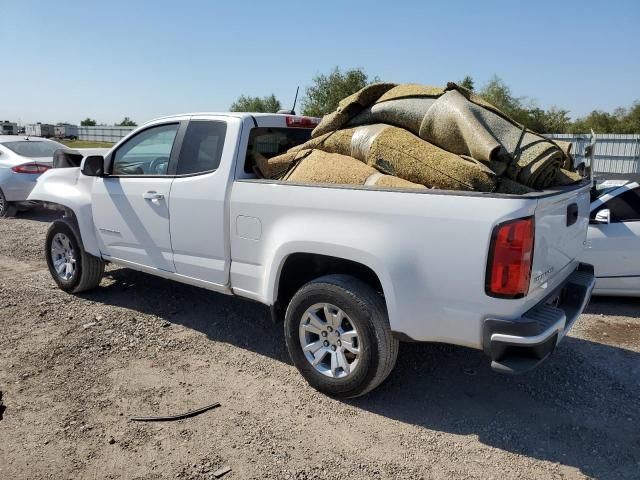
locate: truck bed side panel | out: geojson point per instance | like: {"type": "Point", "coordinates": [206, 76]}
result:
{"type": "Point", "coordinates": [429, 251]}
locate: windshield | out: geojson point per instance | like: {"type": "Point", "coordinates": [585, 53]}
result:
{"type": "Point", "coordinates": [33, 149]}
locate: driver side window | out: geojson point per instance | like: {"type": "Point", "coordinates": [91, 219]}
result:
{"type": "Point", "coordinates": [147, 153]}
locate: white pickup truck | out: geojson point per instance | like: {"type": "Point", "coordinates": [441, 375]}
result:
{"type": "Point", "coordinates": [352, 270]}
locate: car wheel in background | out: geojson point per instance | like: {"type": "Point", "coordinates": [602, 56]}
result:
{"type": "Point", "coordinates": [7, 209]}
{"type": "Point", "coordinates": [338, 336]}
{"type": "Point", "coordinates": [73, 269]}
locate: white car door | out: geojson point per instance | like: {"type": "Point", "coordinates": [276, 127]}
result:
{"type": "Point", "coordinates": [614, 247]}
{"type": "Point", "coordinates": [198, 211]}
{"type": "Point", "coordinates": [131, 203]}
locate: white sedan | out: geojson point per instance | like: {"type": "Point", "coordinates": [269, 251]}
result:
{"type": "Point", "coordinates": [613, 241]}
{"type": "Point", "coordinates": [22, 161]}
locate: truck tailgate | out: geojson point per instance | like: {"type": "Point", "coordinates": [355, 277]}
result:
{"type": "Point", "coordinates": [561, 223]}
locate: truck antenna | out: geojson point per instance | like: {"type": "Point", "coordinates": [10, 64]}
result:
{"type": "Point", "coordinates": [295, 100]}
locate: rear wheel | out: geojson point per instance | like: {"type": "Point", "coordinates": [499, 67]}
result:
{"type": "Point", "coordinates": [338, 336]}
{"type": "Point", "coordinates": [73, 269]}
{"type": "Point", "coordinates": [7, 209]}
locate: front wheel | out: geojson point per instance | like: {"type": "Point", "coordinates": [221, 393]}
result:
{"type": "Point", "coordinates": [338, 336]}
{"type": "Point", "coordinates": [73, 269]}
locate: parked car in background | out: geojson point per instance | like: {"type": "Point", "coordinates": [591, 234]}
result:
{"type": "Point", "coordinates": [613, 239]}
{"type": "Point", "coordinates": [22, 161]}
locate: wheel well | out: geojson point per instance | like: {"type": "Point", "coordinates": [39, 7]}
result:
{"type": "Point", "coordinates": [300, 268]}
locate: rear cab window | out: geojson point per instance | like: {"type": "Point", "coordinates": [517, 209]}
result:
{"type": "Point", "coordinates": [272, 141]}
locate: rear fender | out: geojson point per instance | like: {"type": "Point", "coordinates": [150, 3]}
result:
{"type": "Point", "coordinates": [68, 188]}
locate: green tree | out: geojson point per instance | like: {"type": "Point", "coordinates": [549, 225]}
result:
{"type": "Point", "coordinates": [88, 122]}
{"type": "Point", "coordinates": [598, 121]}
{"type": "Point", "coordinates": [524, 110]}
{"type": "Point", "coordinates": [554, 120]}
{"type": "Point", "coordinates": [244, 103]}
{"type": "Point", "coordinates": [327, 90]}
{"type": "Point", "coordinates": [468, 83]}
{"type": "Point", "coordinates": [630, 120]}
{"type": "Point", "coordinates": [126, 122]}
{"type": "Point", "coordinates": [499, 95]}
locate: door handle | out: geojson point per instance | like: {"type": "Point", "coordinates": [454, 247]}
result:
{"type": "Point", "coordinates": [151, 195]}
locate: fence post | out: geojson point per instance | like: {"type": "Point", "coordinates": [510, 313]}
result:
{"type": "Point", "coordinates": [637, 155]}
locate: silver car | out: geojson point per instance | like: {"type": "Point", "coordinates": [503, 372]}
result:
{"type": "Point", "coordinates": [22, 161]}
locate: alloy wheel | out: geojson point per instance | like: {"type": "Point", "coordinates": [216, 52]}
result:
{"type": "Point", "coordinates": [63, 256]}
{"type": "Point", "coordinates": [329, 340]}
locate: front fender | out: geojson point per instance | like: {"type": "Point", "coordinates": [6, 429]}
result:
{"type": "Point", "coordinates": [69, 188]}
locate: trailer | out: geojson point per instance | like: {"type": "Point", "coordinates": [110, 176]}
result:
{"type": "Point", "coordinates": [8, 128]}
{"type": "Point", "coordinates": [66, 130]}
{"type": "Point", "coordinates": [44, 130]}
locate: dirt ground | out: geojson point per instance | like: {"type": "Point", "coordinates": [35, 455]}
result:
{"type": "Point", "coordinates": [73, 369]}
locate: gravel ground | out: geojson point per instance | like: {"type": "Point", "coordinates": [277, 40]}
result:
{"type": "Point", "coordinates": [74, 368]}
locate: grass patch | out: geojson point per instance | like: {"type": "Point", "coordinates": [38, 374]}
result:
{"type": "Point", "coordinates": [86, 144]}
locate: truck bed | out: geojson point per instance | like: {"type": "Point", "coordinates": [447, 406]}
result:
{"type": "Point", "coordinates": [429, 248]}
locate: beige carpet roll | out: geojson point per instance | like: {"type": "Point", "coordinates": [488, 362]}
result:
{"type": "Point", "coordinates": [389, 181]}
{"type": "Point", "coordinates": [566, 148]}
{"type": "Point", "coordinates": [566, 177]}
{"type": "Point", "coordinates": [350, 106]}
{"type": "Point", "coordinates": [275, 167]}
{"type": "Point", "coordinates": [506, 185]}
{"type": "Point", "coordinates": [461, 126]}
{"type": "Point", "coordinates": [411, 90]}
{"type": "Point", "coordinates": [397, 152]}
{"type": "Point", "coordinates": [446, 138]}
{"type": "Point", "coordinates": [316, 166]}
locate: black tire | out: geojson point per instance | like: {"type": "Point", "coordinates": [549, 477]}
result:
{"type": "Point", "coordinates": [88, 269]}
{"type": "Point", "coordinates": [367, 313]}
{"type": "Point", "coordinates": [7, 209]}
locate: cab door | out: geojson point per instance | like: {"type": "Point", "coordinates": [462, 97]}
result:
{"type": "Point", "coordinates": [198, 204]}
{"type": "Point", "coordinates": [131, 203]}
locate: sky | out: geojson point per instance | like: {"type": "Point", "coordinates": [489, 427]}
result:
{"type": "Point", "coordinates": [67, 60]}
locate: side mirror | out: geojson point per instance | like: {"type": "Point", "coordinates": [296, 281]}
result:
{"type": "Point", "coordinates": [603, 216]}
{"type": "Point", "coordinates": [93, 166]}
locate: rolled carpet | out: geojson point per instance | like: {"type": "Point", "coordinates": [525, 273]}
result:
{"type": "Point", "coordinates": [395, 151]}
{"type": "Point", "coordinates": [506, 185]}
{"type": "Point", "coordinates": [461, 126]}
{"type": "Point", "coordinates": [275, 167]}
{"type": "Point", "coordinates": [350, 106]}
{"type": "Point", "coordinates": [316, 166]}
{"type": "Point", "coordinates": [566, 147]}
{"type": "Point", "coordinates": [566, 177]}
{"type": "Point", "coordinates": [410, 90]}
{"type": "Point", "coordinates": [406, 113]}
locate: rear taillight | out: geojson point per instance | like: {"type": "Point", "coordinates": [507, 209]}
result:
{"type": "Point", "coordinates": [510, 257]}
{"type": "Point", "coordinates": [302, 122]}
{"type": "Point", "coordinates": [31, 168]}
